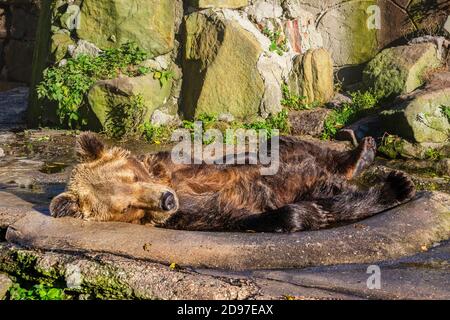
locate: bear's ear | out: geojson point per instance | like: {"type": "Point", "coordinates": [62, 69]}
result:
{"type": "Point", "coordinates": [88, 147]}
{"type": "Point", "coordinates": [65, 205]}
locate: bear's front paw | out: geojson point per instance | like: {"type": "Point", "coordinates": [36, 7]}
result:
{"type": "Point", "coordinates": [400, 186]}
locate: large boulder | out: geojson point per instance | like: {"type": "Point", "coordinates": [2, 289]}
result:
{"type": "Point", "coordinates": [219, 62]}
{"type": "Point", "coordinates": [420, 116]}
{"type": "Point", "coordinates": [312, 76]}
{"type": "Point", "coordinates": [229, 65]}
{"type": "Point", "coordinates": [110, 23]}
{"type": "Point", "coordinates": [106, 95]}
{"type": "Point", "coordinates": [401, 70]}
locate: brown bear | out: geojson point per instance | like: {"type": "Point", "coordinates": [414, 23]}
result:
{"type": "Point", "coordinates": [312, 190]}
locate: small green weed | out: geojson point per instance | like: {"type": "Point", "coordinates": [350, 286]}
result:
{"type": "Point", "coordinates": [446, 111]}
{"type": "Point", "coordinates": [295, 102]}
{"type": "Point", "coordinates": [278, 42]}
{"type": "Point", "coordinates": [433, 154]}
{"type": "Point", "coordinates": [37, 292]}
{"type": "Point", "coordinates": [157, 134]}
{"type": "Point", "coordinates": [362, 102]}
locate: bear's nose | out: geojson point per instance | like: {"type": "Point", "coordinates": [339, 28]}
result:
{"type": "Point", "coordinates": [168, 202]}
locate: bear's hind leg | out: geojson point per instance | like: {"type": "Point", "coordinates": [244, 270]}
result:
{"type": "Point", "coordinates": [349, 205]}
{"type": "Point", "coordinates": [355, 162]}
{"type": "Point", "coordinates": [291, 218]}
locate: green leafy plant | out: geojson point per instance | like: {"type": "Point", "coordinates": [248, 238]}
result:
{"type": "Point", "coordinates": [433, 154]}
{"type": "Point", "coordinates": [362, 102]}
{"type": "Point", "coordinates": [162, 134]}
{"type": "Point", "coordinates": [209, 121]}
{"type": "Point", "coordinates": [278, 42]}
{"type": "Point", "coordinates": [163, 76]}
{"type": "Point", "coordinates": [68, 84]}
{"type": "Point", "coordinates": [446, 111]}
{"type": "Point", "coordinates": [37, 292]}
{"type": "Point", "coordinates": [278, 121]}
{"type": "Point", "coordinates": [157, 134]}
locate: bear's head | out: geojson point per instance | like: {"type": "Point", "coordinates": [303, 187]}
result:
{"type": "Point", "coordinates": [113, 185]}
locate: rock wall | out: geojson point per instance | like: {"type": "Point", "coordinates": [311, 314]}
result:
{"type": "Point", "coordinates": [230, 56]}
{"type": "Point", "coordinates": [18, 23]}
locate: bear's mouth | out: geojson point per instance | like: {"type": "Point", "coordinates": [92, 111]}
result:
{"type": "Point", "coordinates": [158, 218]}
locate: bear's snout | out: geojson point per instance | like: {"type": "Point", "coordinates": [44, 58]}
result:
{"type": "Point", "coordinates": [168, 202]}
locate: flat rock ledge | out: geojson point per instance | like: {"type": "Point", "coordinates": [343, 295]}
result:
{"type": "Point", "coordinates": [104, 276]}
{"type": "Point", "coordinates": [401, 232]}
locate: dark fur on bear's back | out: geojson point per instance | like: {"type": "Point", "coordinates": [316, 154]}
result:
{"type": "Point", "coordinates": [312, 189]}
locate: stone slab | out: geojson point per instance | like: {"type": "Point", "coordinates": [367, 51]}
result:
{"type": "Point", "coordinates": [422, 276]}
{"type": "Point", "coordinates": [401, 232]}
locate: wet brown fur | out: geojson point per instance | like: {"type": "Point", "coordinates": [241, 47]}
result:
{"type": "Point", "coordinates": [312, 189]}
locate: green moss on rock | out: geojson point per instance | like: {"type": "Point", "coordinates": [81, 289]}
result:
{"type": "Point", "coordinates": [362, 40]}
{"type": "Point", "coordinates": [110, 23]}
{"type": "Point", "coordinates": [24, 266]}
{"type": "Point", "coordinates": [400, 70]}
{"type": "Point", "coordinates": [420, 118]}
{"type": "Point", "coordinates": [108, 286]}
{"type": "Point", "coordinates": [59, 45]}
